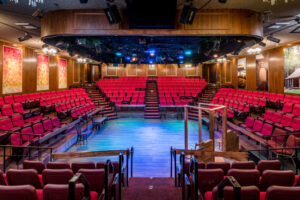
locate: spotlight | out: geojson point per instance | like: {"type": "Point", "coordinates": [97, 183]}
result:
{"type": "Point", "coordinates": [262, 44]}
{"type": "Point", "coordinates": [84, 1]}
{"type": "Point", "coordinates": [180, 57]}
{"type": "Point", "coordinates": [273, 39]}
{"type": "Point", "coordinates": [188, 14]}
{"type": "Point", "coordinates": [215, 55]}
{"type": "Point", "coordinates": [151, 61]}
{"type": "Point", "coordinates": [128, 58]}
{"type": "Point", "coordinates": [181, 62]}
{"type": "Point", "coordinates": [188, 52]}
{"type": "Point", "coordinates": [119, 54]}
{"type": "Point", "coordinates": [27, 36]}
{"type": "Point", "coordinates": [152, 52]}
{"type": "Point", "coordinates": [134, 59]}
{"type": "Point", "coordinates": [112, 14]}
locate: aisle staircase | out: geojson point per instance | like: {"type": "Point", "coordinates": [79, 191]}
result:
{"type": "Point", "coordinates": [207, 96]}
{"type": "Point", "coordinates": [151, 188]}
{"type": "Point", "coordinates": [100, 100]}
{"type": "Point", "coordinates": [151, 101]}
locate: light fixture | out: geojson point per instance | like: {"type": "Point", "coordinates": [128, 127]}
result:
{"type": "Point", "coordinates": [221, 60]}
{"type": "Point", "coordinates": [272, 2]}
{"type": "Point", "coordinates": [254, 50]}
{"type": "Point", "coordinates": [49, 50]}
{"type": "Point", "coordinates": [81, 60]}
{"type": "Point", "coordinates": [152, 66]}
{"type": "Point", "coordinates": [188, 65]}
{"type": "Point", "coordinates": [273, 39]}
{"type": "Point", "coordinates": [32, 3]}
{"type": "Point", "coordinates": [215, 55]}
{"type": "Point", "coordinates": [27, 36]}
{"type": "Point", "coordinates": [180, 57]}
{"type": "Point", "coordinates": [119, 54]}
{"type": "Point", "coordinates": [188, 52]}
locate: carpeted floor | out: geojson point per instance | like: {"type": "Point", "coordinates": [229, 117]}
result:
{"type": "Point", "coordinates": [151, 189]}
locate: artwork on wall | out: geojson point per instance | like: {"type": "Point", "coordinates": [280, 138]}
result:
{"type": "Point", "coordinates": [292, 69]}
{"type": "Point", "coordinates": [241, 73]}
{"type": "Point", "coordinates": [62, 74]}
{"type": "Point", "coordinates": [12, 70]}
{"type": "Point", "coordinates": [42, 72]}
{"type": "Point", "coordinates": [262, 71]}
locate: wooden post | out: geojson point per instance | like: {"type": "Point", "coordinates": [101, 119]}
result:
{"type": "Point", "coordinates": [212, 126]}
{"type": "Point", "coordinates": [224, 129]}
{"type": "Point", "coordinates": [186, 129]}
{"type": "Point", "coordinates": [200, 123]}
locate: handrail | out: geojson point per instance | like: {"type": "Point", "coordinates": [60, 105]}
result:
{"type": "Point", "coordinates": [72, 184]}
{"type": "Point", "coordinates": [87, 154]}
{"type": "Point", "coordinates": [233, 182]}
{"type": "Point", "coordinates": [109, 174]}
{"type": "Point", "coordinates": [182, 161]}
{"type": "Point", "coordinates": [194, 174]}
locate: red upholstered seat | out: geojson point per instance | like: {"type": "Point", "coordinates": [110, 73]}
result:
{"type": "Point", "coordinates": [7, 110]}
{"type": "Point", "coordinates": [245, 177]}
{"type": "Point", "coordinates": [243, 165]}
{"type": "Point", "coordinates": [281, 192]}
{"type": "Point", "coordinates": [247, 193]}
{"type": "Point", "coordinates": [257, 126]}
{"type": "Point", "coordinates": [95, 178]}
{"type": "Point", "coordinates": [219, 165]}
{"type": "Point", "coordinates": [18, 108]}
{"type": "Point", "coordinates": [291, 142]}
{"type": "Point", "coordinates": [31, 164]}
{"type": "Point", "coordinates": [60, 192]}
{"type": "Point", "coordinates": [266, 131]}
{"type": "Point", "coordinates": [248, 123]}
{"type": "Point", "coordinates": [18, 121]}
{"type": "Point", "coordinates": [6, 125]}
{"type": "Point", "coordinates": [276, 177]}
{"type": "Point", "coordinates": [295, 126]}
{"type": "Point", "coordinates": [47, 124]}
{"type": "Point", "coordinates": [82, 165]}
{"type": "Point", "coordinates": [23, 177]}
{"type": "Point", "coordinates": [39, 130]}
{"type": "Point", "coordinates": [55, 122]}
{"type": "Point", "coordinates": [9, 100]}
{"type": "Point", "coordinates": [267, 116]}
{"type": "Point", "coordinates": [209, 178]}
{"type": "Point", "coordinates": [287, 108]}
{"type": "Point", "coordinates": [286, 121]}
{"type": "Point", "coordinates": [58, 165]}
{"type": "Point", "coordinates": [21, 192]}
{"type": "Point", "coordinates": [277, 139]}
{"type": "Point", "coordinates": [2, 179]}
{"type": "Point", "coordinates": [268, 165]}
{"type": "Point", "coordinates": [57, 176]}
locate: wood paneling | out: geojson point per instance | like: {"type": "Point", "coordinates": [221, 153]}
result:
{"type": "Point", "coordinates": [76, 72]}
{"type": "Point", "coordinates": [207, 22]}
{"type": "Point", "coordinates": [276, 70]}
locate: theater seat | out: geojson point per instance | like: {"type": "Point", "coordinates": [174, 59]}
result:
{"type": "Point", "coordinates": [82, 165]}
{"type": "Point", "coordinates": [58, 165]}
{"type": "Point", "coordinates": [37, 165]}
{"type": "Point", "coordinates": [21, 192]}
{"type": "Point", "coordinates": [95, 178]}
{"type": "Point", "coordinates": [245, 177]}
{"type": "Point", "coordinates": [243, 165]}
{"type": "Point", "coordinates": [57, 176]}
{"type": "Point", "coordinates": [247, 193]}
{"type": "Point", "coordinates": [209, 178]}
{"type": "Point", "coordinates": [61, 192]}
{"type": "Point", "coordinates": [23, 177]}
{"type": "Point", "coordinates": [276, 177]}
{"type": "Point", "coordinates": [219, 165]}
{"type": "Point", "coordinates": [281, 192]}
{"type": "Point", "coordinates": [257, 126]}
{"type": "Point", "coordinates": [268, 165]}
{"type": "Point", "coordinates": [248, 123]}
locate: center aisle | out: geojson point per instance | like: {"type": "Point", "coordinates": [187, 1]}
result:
{"type": "Point", "coordinates": [151, 188]}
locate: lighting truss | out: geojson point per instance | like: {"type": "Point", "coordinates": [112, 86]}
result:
{"type": "Point", "coordinates": [32, 3]}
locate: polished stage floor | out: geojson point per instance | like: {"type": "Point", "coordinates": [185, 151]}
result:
{"type": "Point", "coordinates": [151, 140]}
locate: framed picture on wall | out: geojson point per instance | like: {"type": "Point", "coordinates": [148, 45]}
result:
{"type": "Point", "coordinates": [292, 69]}
{"type": "Point", "coordinates": [241, 69]}
{"type": "Point", "coordinates": [262, 71]}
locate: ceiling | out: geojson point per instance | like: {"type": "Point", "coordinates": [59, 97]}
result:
{"type": "Point", "coordinates": [11, 13]}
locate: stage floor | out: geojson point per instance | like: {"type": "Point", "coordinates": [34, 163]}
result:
{"type": "Point", "coordinates": [150, 138]}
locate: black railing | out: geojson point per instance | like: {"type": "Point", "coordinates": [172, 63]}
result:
{"type": "Point", "coordinates": [72, 187]}
{"type": "Point", "coordinates": [229, 181]}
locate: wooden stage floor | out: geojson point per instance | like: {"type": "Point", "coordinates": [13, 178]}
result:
{"type": "Point", "coordinates": [150, 138]}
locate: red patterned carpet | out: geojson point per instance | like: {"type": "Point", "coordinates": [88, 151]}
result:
{"type": "Point", "coordinates": [151, 189]}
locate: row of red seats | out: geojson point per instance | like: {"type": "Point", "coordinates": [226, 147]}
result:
{"type": "Point", "coordinates": [173, 101]}
{"type": "Point", "coordinates": [35, 96]}
{"type": "Point", "coordinates": [256, 102]}
{"type": "Point", "coordinates": [62, 98]}
{"type": "Point", "coordinates": [68, 105]}
{"type": "Point", "coordinates": [255, 183]}
{"type": "Point", "coordinates": [179, 93]}
{"type": "Point", "coordinates": [81, 111]}
{"type": "Point", "coordinates": [229, 92]}
{"type": "Point", "coordinates": [133, 100]}
{"type": "Point", "coordinates": [123, 94]}
{"type": "Point", "coordinates": [51, 183]}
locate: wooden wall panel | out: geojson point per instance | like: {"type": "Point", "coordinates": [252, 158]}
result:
{"type": "Point", "coordinates": [152, 71]}
{"type": "Point", "coordinates": [276, 70]}
{"type": "Point", "coordinates": [251, 72]}
{"type": "Point", "coordinates": [234, 73]}
{"type": "Point", "coordinates": [76, 72]}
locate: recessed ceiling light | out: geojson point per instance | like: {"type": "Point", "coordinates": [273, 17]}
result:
{"type": "Point", "coordinates": [282, 23]}
{"type": "Point", "coordinates": [274, 26]}
{"type": "Point", "coordinates": [30, 27]}
{"type": "Point", "coordinates": [22, 23]}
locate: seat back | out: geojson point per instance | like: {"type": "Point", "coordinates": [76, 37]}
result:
{"type": "Point", "coordinates": [243, 165]}
{"type": "Point", "coordinates": [55, 122]}
{"type": "Point", "coordinates": [58, 165]}
{"type": "Point", "coordinates": [247, 193]}
{"type": "Point", "coordinates": [278, 136]}
{"type": "Point", "coordinates": [31, 164]}
{"type": "Point", "coordinates": [268, 165]}
{"type": "Point", "coordinates": [276, 177]}
{"type": "Point", "coordinates": [47, 124]}
{"type": "Point", "coordinates": [249, 122]}
{"type": "Point", "coordinates": [219, 165]}
{"type": "Point", "coordinates": [245, 177]}
{"type": "Point", "coordinates": [2, 180]}
{"type": "Point", "coordinates": [95, 177]}
{"type": "Point", "coordinates": [281, 192]}
{"type": "Point", "coordinates": [257, 125]}
{"type": "Point", "coordinates": [267, 129]}
{"type": "Point", "coordinates": [209, 178]}
{"type": "Point", "coordinates": [61, 192]}
{"type": "Point", "coordinates": [21, 192]}
{"type": "Point", "coordinates": [23, 177]}
{"type": "Point", "coordinates": [38, 129]}
{"type": "Point", "coordinates": [57, 176]}
{"type": "Point", "coordinates": [82, 165]}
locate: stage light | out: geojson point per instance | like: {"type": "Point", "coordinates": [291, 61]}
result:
{"type": "Point", "coordinates": [273, 39]}
{"type": "Point", "coordinates": [119, 54]}
{"type": "Point", "coordinates": [27, 36]}
{"type": "Point", "coordinates": [188, 14]}
{"type": "Point", "coordinates": [215, 55]}
{"type": "Point", "coordinates": [112, 14]}
{"type": "Point", "coordinates": [181, 62]}
{"type": "Point", "coordinates": [188, 52]}
{"type": "Point", "coordinates": [152, 52]}
{"type": "Point", "coordinates": [151, 61]}
{"type": "Point", "coordinates": [134, 54]}
{"type": "Point", "coordinates": [180, 57]}
{"type": "Point", "coordinates": [128, 58]}
{"type": "Point", "coordinates": [134, 59]}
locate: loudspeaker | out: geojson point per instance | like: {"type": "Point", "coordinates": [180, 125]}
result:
{"type": "Point", "coordinates": [188, 14]}
{"type": "Point", "coordinates": [112, 14]}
